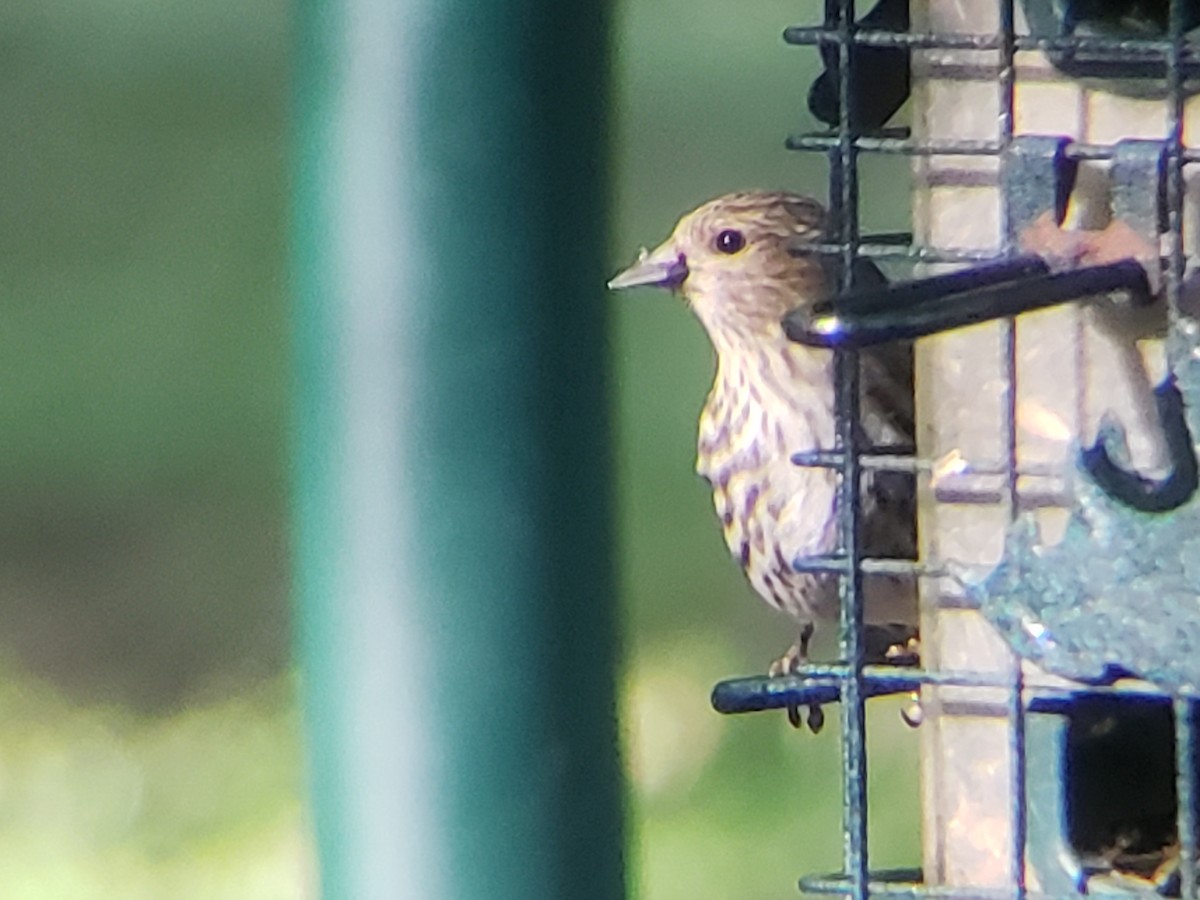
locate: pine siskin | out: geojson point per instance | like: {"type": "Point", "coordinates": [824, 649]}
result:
{"type": "Point", "coordinates": [733, 261]}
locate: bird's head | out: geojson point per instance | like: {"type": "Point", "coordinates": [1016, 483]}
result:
{"type": "Point", "coordinates": [734, 260]}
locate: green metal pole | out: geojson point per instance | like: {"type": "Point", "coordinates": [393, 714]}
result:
{"type": "Point", "coordinates": [452, 465]}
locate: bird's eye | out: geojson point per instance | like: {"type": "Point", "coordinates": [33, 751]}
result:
{"type": "Point", "coordinates": [730, 241]}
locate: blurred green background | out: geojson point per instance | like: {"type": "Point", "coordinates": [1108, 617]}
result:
{"type": "Point", "coordinates": [151, 742]}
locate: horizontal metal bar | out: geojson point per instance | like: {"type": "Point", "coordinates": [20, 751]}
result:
{"type": "Point", "coordinates": [877, 462]}
{"type": "Point", "coordinates": [820, 683]}
{"type": "Point", "coordinates": [839, 564]}
{"type": "Point", "coordinates": [907, 462]}
{"type": "Point", "coordinates": [757, 694]}
{"type": "Point", "coordinates": [904, 294]}
{"type": "Point", "coordinates": [908, 252]}
{"type": "Point", "coordinates": [825, 564]}
{"type": "Point", "coordinates": [879, 322]}
{"type": "Point", "coordinates": [956, 493]}
{"type": "Point", "coordinates": [826, 141]}
{"type": "Point", "coordinates": [906, 146]}
{"type": "Point", "coordinates": [1038, 485]}
{"type": "Point", "coordinates": [813, 35]}
{"type": "Point", "coordinates": [1114, 49]}
{"type": "Point", "coordinates": [898, 884]}
{"type": "Point", "coordinates": [1063, 702]}
{"type": "Point", "coordinates": [907, 884]}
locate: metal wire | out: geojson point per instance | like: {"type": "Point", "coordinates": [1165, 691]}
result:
{"type": "Point", "coordinates": [1008, 331]}
{"type": "Point", "coordinates": [902, 678]}
{"type": "Point", "coordinates": [821, 683]}
{"type": "Point", "coordinates": [1185, 737]}
{"type": "Point", "coordinates": [840, 14]}
{"type": "Point", "coordinates": [849, 680]}
{"type": "Point", "coordinates": [1075, 150]}
{"type": "Point", "coordinates": [1121, 49]}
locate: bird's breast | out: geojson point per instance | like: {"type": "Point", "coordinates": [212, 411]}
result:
{"type": "Point", "coordinates": [763, 408]}
{"type": "Point", "coordinates": [771, 510]}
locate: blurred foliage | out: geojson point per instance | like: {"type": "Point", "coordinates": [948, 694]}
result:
{"type": "Point", "coordinates": [144, 385]}
{"type": "Point", "coordinates": [99, 801]}
{"type": "Point", "coordinates": [152, 745]}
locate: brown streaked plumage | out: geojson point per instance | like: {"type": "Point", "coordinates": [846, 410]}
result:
{"type": "Point", "coordinates": [732, 259]}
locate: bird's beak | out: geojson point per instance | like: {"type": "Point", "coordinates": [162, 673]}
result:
{"type": "Point", "coordinates": [662, 268]}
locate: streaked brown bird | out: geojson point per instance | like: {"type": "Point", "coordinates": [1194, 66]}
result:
{"type": "Point", "coordinates": [735, 261]}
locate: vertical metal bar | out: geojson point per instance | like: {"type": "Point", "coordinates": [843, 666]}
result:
{"type": "Point", "coordinates": [1016, 705]}
{"type": "Point", "coordinates": [1176, 188]}
{"type": "Point", "coordinates": [1007, 227]}
{"type": "Point", "coordinates": [1185, 792]}
{"type": "Point", "coordinates": [1185, 736]}
{"type": "Point", "coordinates": [451, 490]}
{"type": "Point", "coordinates": [1017, 738]}
{"type": "Point", "coordinates": [1007, 74]}
{"type": "Point", "coordinates": [853, 708]}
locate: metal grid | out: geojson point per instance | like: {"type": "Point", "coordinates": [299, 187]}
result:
{"type": "Point", "coordinates": [1005, 691]}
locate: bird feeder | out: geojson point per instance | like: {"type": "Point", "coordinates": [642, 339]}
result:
{"type": "Point", "coordinates": [1046, 285]}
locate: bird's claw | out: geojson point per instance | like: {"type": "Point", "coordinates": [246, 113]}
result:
{"type": "Point", "coordinates": [893, 645]}
{"type": "Point", "coordinates": [793, 659]}
{"type": "Point", "coordinates": [815, 719]}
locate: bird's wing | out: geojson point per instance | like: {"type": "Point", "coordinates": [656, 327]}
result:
{"type": "Point", "coordinates": [889, 498]}
{"type": "Point", "coordinates": [886, 393]}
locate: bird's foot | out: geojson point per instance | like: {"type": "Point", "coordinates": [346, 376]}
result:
{"type": "Point", "coordinates": [790, 663]}
{"type": "Point", "coordinates": [793, 659]}
{"type": "Point", "coordinates": [897, 645]}
{"type": "Point", "coordinates": [892, 645]}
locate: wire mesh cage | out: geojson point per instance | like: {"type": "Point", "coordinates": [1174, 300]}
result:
{"type": "Point", "coordinates": [1051, 148]}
